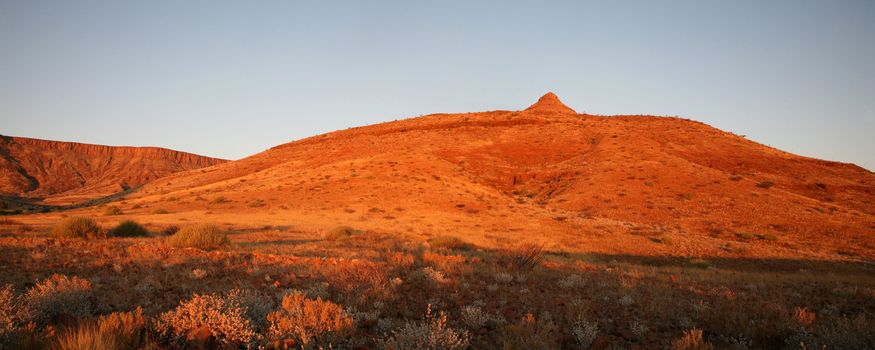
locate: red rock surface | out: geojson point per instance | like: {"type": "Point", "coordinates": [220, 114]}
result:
{"type": "Point", "coordinates": [66, 172]}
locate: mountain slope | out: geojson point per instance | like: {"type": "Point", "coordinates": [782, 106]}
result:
{"type": "Point", "coordinates": [619, 184]}
{"type": "Point", "coordinates": [67, 172]}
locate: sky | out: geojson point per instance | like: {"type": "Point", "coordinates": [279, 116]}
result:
{"type": "Point", "coordinates": [232, 78]}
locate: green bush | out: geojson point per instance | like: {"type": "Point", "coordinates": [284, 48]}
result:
{"type": "Point", "coordinates": [128, 228]}
{"type": "Point", "coordinates": [340, 233]}
{"type": "Point", "coordinates": [449, 242]}
{"type": "Point", "coordinates": [113, 210]}
{"type": "Point", "coordinates": [202, 236]}
{"type": "Point", "coordinates": [78, 227]}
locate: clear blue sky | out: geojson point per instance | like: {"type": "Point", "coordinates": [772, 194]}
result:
{"type": "Point", "coordinates": [230, 79]}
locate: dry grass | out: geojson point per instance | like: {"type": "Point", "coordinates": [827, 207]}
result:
{"type": "Point", "coordinates": [78, 227]}
{"type": "Point", "coordinates": [379, 286]}
{"type": "Point", "coordinates": [201, 236]}
{"type": "Point", "coordinates": [116, 331]}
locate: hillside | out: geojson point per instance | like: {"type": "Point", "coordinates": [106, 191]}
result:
{"type": "Point", "coordinates": [69, 172]}
{"type": "Point", "coordinates": [615, 184]}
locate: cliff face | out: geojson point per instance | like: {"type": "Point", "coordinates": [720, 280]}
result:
{"type": "Point", "coordinates": [66, 172]}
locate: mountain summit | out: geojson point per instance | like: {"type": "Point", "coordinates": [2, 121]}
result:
{"type": "Point", "coordinates": [550, 103]}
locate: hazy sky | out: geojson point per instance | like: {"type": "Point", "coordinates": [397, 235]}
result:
{"type": "Point", "coordinates": [229, 79]}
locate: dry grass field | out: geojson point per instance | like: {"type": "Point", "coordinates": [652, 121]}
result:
{"type": "Point", "coordinates": [366, 289]}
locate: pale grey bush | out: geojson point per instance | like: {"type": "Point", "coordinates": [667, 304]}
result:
{"type": "Point", "coordinates": [432, 333]}
{"type": "Point", "coordinates": [56, 296]}
{"type": "Point", "coordinates": [585, 332]}
{"type": "Point", "coordinates": [224, 316]}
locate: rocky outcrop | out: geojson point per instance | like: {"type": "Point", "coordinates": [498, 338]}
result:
{"type": "Point", "coordinates": [42, 168]}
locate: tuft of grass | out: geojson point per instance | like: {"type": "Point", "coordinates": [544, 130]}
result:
{"type": "Point", "coordinates": [119, 330]}
{"type": "Point", "coordinates": [128, 228]}
{"type": "Point", "coordinates": [449, 242]}
{"type": "Point", "coordinates": [201, 236]}
{"type": "Point", "coordinates": [524, 257]}
{"type": "Point", "coordinates": [113, 210]}
{"type": "Point", "coordinates": [78, 227]}
{"type": "Point", "coordinates": [340, 233]}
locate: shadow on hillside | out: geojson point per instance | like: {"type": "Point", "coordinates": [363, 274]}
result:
{"type": "Point", "coordinates": [740, 264]}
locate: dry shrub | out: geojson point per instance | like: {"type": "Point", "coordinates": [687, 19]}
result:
{"type": "Point", "coordinates": [692, 340]}
{"type": "Point", "coordinates": [113, 210]}
{"type": "Point", "coordinates": [449, 242]}
{"type": "Point", "coordinates": [8, 311]}
{"type": "Point", "coordinates": [311, 323]}
{"type": "Point", "coordinates": [222, 319]}
{"type": "Point", "coordinates": [55, 297]}
{"type": "Point", "coordinates": [128, 228]}
{"type": "Point", "coordinates": [449, 263]}
{"type": "Point", "coordinates": [400, 260]}
{"type": "Point", "coordinates": [524, 257]}
{"type": "Point", "coordinates": [119, 330]}
{"type": "Point", "coordinates": [585, 332]}
{"type": "Point", "coordinates": [201, 236]}
{"type": "Point", "coordinates": [78, 227]}
{"type": "Point", "coordinates": [432, 333]}
{"type": "Point", "coordinates": [340, 233]}
{"type": "Point", "coordinates": [803, 317]}
{"type": "Point", "coordinates": [531, 333]}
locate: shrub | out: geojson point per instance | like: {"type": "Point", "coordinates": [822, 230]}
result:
{"type": "Point", "coordinates": [585, 332]}
{"type": "Point", "coordinates": [475, 318]}
{"type": "Point", "coordinates": [340, 233]}
{"type": "Point", "coordinates": [119, 330]}
{"type": "Point", "coordinates": [113, 210]}
{"type": "Point", "coordinates": [431, 333]}
{"type": "Point", "coordinates": [692, 340]}
{"type": "Point", "coordinates": [57, 296]}
{"type": "Point", "coordinates": [223, 318]}
{"type": "Point", "coordinates": [531, 333]}
{"type": "Point", "coordinates": [78, 227]}
{"type": "Point", "coordinates": [525, 257]}
{"type": "Point", "coordinates": [201, 236]}
{"type": "Point", "coordinates": [448, 242]}
{"type": "Point", "coordinates": [309, 322]}
{"type": "Point", "coordinates": [219, 200]}
{"type": "Point", "coordinates": [765, 184]}
{"type": "Point", "coordinates": [8, 308]}
{"type": "Point", "coordinates": [128, 228]}
{"type": "Point", "coordinates": [257, 203]}
{"type": "Point", "coordinates": [160, 211]}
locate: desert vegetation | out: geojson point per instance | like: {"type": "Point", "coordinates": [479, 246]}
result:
{"type": "Point", "coordinates": [373, 290]}
{"type": "Point", "coordinates": [201, 236]}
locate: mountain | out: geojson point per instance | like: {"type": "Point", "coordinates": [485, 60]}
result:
{"type": "Point", "coordinates": [69, 172]}
{"type": "Point", "coordinates": [631, 184]}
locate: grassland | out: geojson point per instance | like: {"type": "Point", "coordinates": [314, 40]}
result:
{"type": "Point", "coordinates": [287, 287]}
